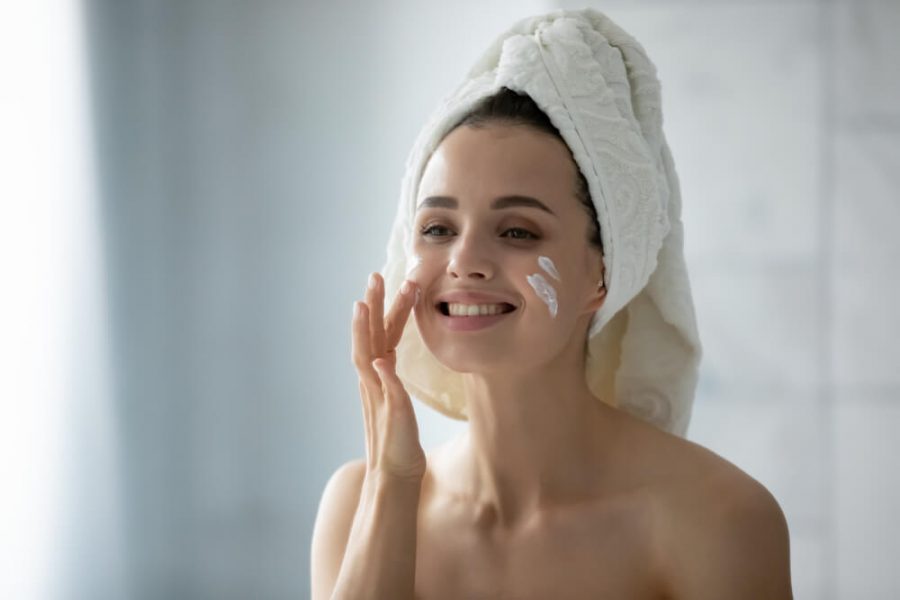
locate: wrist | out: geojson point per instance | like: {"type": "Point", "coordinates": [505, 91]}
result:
{"type": "Point", "coordinates": [379, 480]}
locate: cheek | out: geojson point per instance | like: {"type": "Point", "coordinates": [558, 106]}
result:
{"type": "Point", "coordinates": [423, 266]}
{"type": "Point", "coordinates": [424, 270]}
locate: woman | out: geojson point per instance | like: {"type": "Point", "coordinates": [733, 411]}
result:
{"type": "Point", "coordinates": [539, 246]}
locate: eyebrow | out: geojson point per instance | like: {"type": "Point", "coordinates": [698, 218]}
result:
{"type": "Point", "coordinates": [498, 203]}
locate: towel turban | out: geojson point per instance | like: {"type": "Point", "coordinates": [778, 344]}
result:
{"type": "Point", "coordinates": [600, 90]}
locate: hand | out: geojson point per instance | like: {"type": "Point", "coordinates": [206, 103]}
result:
{"type": "Point", "coordinates": [392, 434]}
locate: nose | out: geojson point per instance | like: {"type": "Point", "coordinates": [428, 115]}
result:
{"type": "Point", "coordinates": [470, 259]}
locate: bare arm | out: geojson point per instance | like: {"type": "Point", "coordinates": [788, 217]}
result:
{"type": "Point", "coordinates": [364, 541]}
{"type": "Point", "coordinates": [359, 524]}
{"type": "Point", "coordinates": [380, 561]}
{"type": "Point", "coordinates": [337, 508]}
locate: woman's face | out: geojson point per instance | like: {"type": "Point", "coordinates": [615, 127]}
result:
{"type": "Point", "coordinates": [497, 216]}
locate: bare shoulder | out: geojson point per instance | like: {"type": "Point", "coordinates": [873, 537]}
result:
{"type": "Point", "coordinates": [334, 519]}
{"type": "Point", "coordinates": [721, 533]}
{"type": "Point", "coordinates": [343, 488]}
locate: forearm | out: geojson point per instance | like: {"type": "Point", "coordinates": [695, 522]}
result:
{"type": "Point", "coordinates": [380, 559]}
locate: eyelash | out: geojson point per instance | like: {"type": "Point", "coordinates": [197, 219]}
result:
{"type": "Point", "coordinates": [531, 236]}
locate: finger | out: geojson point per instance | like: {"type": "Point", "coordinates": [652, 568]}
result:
{"type": "Point", "coordinates": [399, 313]}
{"type": "Point", "coordinates": [375, 300]}
{"type": "Point", "coordinates": [359, 345]}
{"type": "Point", "coordinates": [362, 357]}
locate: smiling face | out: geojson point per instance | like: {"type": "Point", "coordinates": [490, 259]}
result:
{"type": "Point", "coordinates": [497, 214]}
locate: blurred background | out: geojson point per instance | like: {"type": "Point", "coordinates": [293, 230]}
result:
{"type": "Point", "coordinates": [194, 192]}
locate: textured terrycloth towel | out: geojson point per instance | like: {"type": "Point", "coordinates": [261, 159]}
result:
{"type": "Point", "coordinates": [600, 90]}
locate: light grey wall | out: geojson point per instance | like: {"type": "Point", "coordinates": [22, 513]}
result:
{"type": "Point", "coordinates": [250, 160]}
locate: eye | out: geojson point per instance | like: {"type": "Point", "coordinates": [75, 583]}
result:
{"type": "Point", "coordinates": [522, 234]}
{"type": "Point", "coordinates": [425, 230]}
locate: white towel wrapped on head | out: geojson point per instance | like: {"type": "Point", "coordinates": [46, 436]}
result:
{"type": "Point", "coordinates": [599, 89]}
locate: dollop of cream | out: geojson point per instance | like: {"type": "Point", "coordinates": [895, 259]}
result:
{"type": "Point", "coordinates": [547, 265]}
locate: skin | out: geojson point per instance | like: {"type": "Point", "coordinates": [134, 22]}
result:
{"type": "Point", "coordinates": [552, 493]}
{"type": "Point", "coordinates": [550, 489]}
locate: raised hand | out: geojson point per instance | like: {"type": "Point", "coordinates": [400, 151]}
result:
{"type": "Point", "coordinates": [392, 434]}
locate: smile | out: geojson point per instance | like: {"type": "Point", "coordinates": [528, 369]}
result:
{"type": "Point", "coordinates": [471, 317]}
{"type": "Point", "coordinates": [455, 309]}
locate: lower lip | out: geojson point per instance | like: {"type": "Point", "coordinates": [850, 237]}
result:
{"type": "Point", "coordinates": [472, 323]}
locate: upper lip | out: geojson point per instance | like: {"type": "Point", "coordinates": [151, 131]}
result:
{"type": "Point", "coordinates": [474, 297]}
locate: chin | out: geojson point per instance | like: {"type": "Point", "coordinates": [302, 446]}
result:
{"type": "Point", "coordinates": [462, 359]}
{"type": "Point", "coordinates": [482, 355]}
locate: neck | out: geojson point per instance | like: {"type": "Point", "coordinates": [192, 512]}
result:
{"type": "Point", "coordinates": [535, 439]}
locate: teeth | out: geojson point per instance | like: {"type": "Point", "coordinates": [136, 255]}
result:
{"type": "Point", "coordinates": [471, 310]}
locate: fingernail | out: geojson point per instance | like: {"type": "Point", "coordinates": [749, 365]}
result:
{"type": "Point", "coordinates": [372, 281]}
{"type": "Point", "coordinates": [418, 295]}
{"type": "Point", "coordinates": [355, 308]}
{"type": "Point", "coordinates": [404, 289]}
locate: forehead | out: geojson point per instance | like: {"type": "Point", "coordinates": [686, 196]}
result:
{"type": "Point", "coordinates": [478, 165]}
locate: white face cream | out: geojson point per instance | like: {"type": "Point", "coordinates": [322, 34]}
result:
{"type": "Point", "coordinates": [547, 265]}
{"type": "Point", "coordinates": [414, 264]}
{"type": "Point", "coordinates": [544, 290]}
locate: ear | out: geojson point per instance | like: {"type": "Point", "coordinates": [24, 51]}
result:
{"type": "Point", "coordinates": [596, 299]}
{"type": "Point", "coordinates": [597, 295]}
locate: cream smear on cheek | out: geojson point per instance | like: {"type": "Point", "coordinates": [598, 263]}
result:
{"type": "Point", "coordinates": [543, 288]}
{"type": "Point", "coordinates": [547, 265]}
{"type": "Point", "coordinates": [414, 263]}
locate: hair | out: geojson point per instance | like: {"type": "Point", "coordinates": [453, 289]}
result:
{"type": "Point", "coordinates": [512, 108]}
